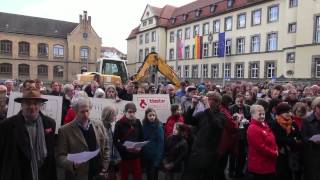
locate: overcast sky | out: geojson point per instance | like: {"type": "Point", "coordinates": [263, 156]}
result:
{"type": "Point", "coordinates": [112, 19]}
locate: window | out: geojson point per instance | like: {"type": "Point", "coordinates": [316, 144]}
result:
{"type": "Point", "coordinates": [255, 43]}
{"type": "Point", "coordinates": [228, 24]}
{"type": "Point", "coordinates": [171, 36]}
{"type": "Point", "coordinates": [205, 70]}
{"type": "Point", "coordinates": [241, 21]}
{"type": "Point", "coordinates": [146, 52]}
{"type": "Point", "coordinates": [23, 70]}
{"type": "Point", "coordinates": [205, 50]}
{"type": "Point", "coordinates": [173, 20]}
{"type": "Point", "coordinates": [5, 47]}
{"type": "Point", "coordinates": [146, 38]}
{"type": "Point", "coordinates": [179, 34]}
{"type": "Point", "coordinates": [141, 39]}
{"type": "Point", "coordinates": [228, 47]}
{"type": "Point", "coordinates": [227, 70]}
{"type": "Point", "coordinates": [317, 29]}
{"type": "Point", "coordinates": [171, 54]}
{"type": "Point", "coordinates": [153, 36]}
{"type": "Point", "coordinates": [140, 55]}
{"type": "Point", "coordinates": [272, 42]}
{"type": "Point", "coordinates": [144, 23]}
{"type": "Point", "coordinates": [273, 13]}
{"type": "Point", "coordinates": [254, 70]}
{"type": "Point", "coordinates": [240, 45]}
{"type": "Point", "coordinates": [187, 52]}
{"type": "Point", "coordinates": [215, 46]}
{"type": "Point", "coordinates": [153, 49]}
{"type": "Point", "coordinates": [43, 50]}
{"type": "Point", "coordinates": [150, 21]}
{"type": "Point", "coordinates": [5, 69]}
{"type": "Point", "coordinates": [186, 71]}
{"type": "Point", "coordinates": [239, 71]}
{"type": "Point", "coordinates": [58, 51]}
{"type": "Point", "coordinates": [216, 26]}
{"type": "Point", "coordinates": [213, 8]}
{"type": "Point", "coordinates": [205, 29]}
{"type": "Point", "coordinates": [179, 71]}
{"type": "Point", "coordinates": [58, 71]}
{"type": "Point", "coordinates": [187, 33]}
{"type": "Point", "coordinates": [198, 12]}
{"type": "Point", "coordinates": [24, 48]}
{"type": "Point", "coordinates": [214, 70]}
{"type": "Point", "coordinates": [42, 70]}
{"type": "Point", "coordinates": [196, 30]}
{"type": "Point", "coordinates": [291, 56]}
{"type": "Point", "coordinates": [185, 17]}
{"type": "Point", "coordinates": [84, 54]}
{"type": "Point", "coordinates": [292, 27]}
{"type": "Point", "coordinates": [194, 72]}
{"type": "Point", "coordinates": [293, 3]}
{"type": "Point", "coordinates": [270, 70]}
{"type": "Point", "coordinates": [256, 17]}
{"type": "Point", "coordinates": [230, 3]}
{"type": "Point", "coordinates": [317, 68]}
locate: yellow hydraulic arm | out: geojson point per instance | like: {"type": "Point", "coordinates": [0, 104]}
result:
{"type": "Point", "coordinates": [154, 60]}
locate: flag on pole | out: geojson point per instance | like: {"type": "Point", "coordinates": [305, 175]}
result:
{"type": "Point", "coordinates": [179, 48]}
{"type": "Point", "coordinates": [198, 47]}
{"type": "Point", "coordinates": [221, 44]}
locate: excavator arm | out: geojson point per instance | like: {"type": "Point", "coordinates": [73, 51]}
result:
{"type": "Point", "coordinates": [163, 67]}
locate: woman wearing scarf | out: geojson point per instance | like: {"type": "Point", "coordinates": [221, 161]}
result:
{"type": "Point", "coordinates": [289, 143]}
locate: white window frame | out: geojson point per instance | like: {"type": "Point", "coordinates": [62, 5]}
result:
{"type": "Point", "coordinates": [254, 70]}
{"type": "Point", "coordinates": [141, 39]}
{"type": "Point", "coordinates": [186, 71]}
{"type": "Point", "coordinates": [205, 49]}
{"type": "Point", "coordinates": [272, 41]}
{"type": "Point", "coordinates": [241, 45]}
{"type": "Point", "coordinates": [241, 23]}
{"type": "Point", "coordinates": [271, 69]}
{"type": "Point", "coordinates": [239, 70]}
{"type": "Point", "coordinates": [187, 33]}
{"type": "Point", "coordinates": [255, 43]}
{"type": "Point", "coordinates": [205, 28]}
{"type": "Point", "coordinates": [317, 29]}
{"type": "Point", "coordinates": [228, 23]}
{"type": "Point", "coordinates": [227, 70]}
{"type": "Point", "coordinates": [292, 27]}
{"type": "Point", "coordinates": [273, 13]}
{"type": "Point", "coordinates": [215, 47]}
{"type": "Point", "coordinates": [187, 52]}
{"type": "Point", "coordinates": [216, 26]}
{"type": "Point", "coordinates": [228, 47]}
{"type": "Point", "coordinates": [58, 50]}
{"type": "Point", "coordinates": [153, 36]}
{"type": "Point", "coordinates": [205, 70]}
{"type": "Point", "coordinates": [146, 38]}
{"type": "Point", "coordinates": [196, 30]}
{"type": "Point", "coordinates": [171, 36]}
{"type": "Point", "coordinates": [214, 71]}
{"type": "Point", "coordinates": [194, 71]}
{"type": "Point", "coordinates": [293, 3]}
{"type": "Point", "coordinates": [256, 20]}
{"type": "Point", "coordinates": [171, 54]}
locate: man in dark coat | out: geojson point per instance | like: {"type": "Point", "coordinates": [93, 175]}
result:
{"type": "Point", "coordinates": [27, 142]}
{"type": "Point", "coordinates": [208, 125]}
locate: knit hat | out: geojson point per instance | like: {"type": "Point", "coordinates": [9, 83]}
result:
{"type": "Point", "coordinates": [283, 107]}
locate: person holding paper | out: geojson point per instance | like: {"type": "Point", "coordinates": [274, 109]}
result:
{"type": "Point", "coordinates": [80, 135]}
{"type": "Point", "coordinates": [129, 128]}
{"type": "Point", "coordinates": [153, 150]}
{"type": "Point", "coordinates": [311, 128]}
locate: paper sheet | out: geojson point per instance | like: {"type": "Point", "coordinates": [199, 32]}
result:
{"type": "Point", "coordinates": [315, 138]}
{"type": "Point", "coordinates": [135, 145]}
{"type": "Point", "coordinates": [83, 156]}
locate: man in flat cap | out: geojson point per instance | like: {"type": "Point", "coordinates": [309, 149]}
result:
{"type": "Point", "coordinates": [27, 141]}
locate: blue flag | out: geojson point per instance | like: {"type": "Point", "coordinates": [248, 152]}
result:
{"type": "Point", "coordinates": [222, 43]}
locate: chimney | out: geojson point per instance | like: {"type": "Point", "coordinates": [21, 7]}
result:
{"type": "Point", "coordinates": [89, 20]}
{"type": "Point", "coordinates": [80, 18]}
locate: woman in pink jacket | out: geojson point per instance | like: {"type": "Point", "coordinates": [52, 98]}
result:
{"type": "Point", "coordinates": [262, 147]}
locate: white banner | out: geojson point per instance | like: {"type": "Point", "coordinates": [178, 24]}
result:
{"type": "Point", "coordinates": [52, 108]}
{"type": "Point", "coordinates": [159, 102]}
{"type": "Point", "coordinates": [99, 103]}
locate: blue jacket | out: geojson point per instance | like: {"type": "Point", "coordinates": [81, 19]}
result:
{"type": "Point", "coordinates": [153, 151]}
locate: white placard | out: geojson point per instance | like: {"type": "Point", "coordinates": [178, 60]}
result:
{"type": "Point", "coordinates": [99, 103]}
{"type": "Point", "coordinates": [52, 108]}
{"type": "Point", "coordinates": [159, 102]}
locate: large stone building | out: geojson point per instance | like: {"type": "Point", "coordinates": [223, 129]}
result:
{"type": "Point", "coordinates": [32, 47]}
{"type": "Point", "coordinates": [265, 39]}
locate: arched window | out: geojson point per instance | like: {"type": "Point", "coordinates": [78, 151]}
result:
{"type": "Point", "coordinates": [5, 47]}
{"type": "Point", "coordinates": [42, 70]}
{"type": "Point", "coordinates": [58, 51]}
{"type": "Point", "coordinates": [43, 50]}
{"type": "Point", "coordinates": [58, 71]}
{"type": "Point", "coordinates": [5, 69]}
{"type": "Point", "coordinates": [24, 70]}
{"type": "Point", "coordinates": [24, 48]}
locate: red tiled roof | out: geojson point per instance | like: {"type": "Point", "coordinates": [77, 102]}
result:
{"type": "Point", "coordinates": [168, 12]}
{"type": "Point", "coordinates": [109, 49]}
{"type": "Point", "coordinates": [133, 33]}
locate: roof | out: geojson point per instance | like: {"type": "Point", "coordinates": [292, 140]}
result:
{"type": "Point", "coordinates": [169, 12]}
{"type": "Point", "coordinates": [110, 49]}
{"type": "Point", "coordinates": [20, 24]}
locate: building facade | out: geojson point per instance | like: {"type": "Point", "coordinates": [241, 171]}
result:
{"type": "Point", "coordinates": [264, 39]}
{"type": "Point", "coordinates": [32, 47]}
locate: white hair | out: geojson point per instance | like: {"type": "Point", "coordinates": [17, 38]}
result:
{"type": "Point", "coordinates": [79, 99]}
{"type": "Point", "coordinates": [254, 108]}
{"type": "Point", "coordinates": [67, 87]}
{"type": "Point", "coordinates": [99, 93]}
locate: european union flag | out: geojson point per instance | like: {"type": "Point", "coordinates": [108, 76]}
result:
{"type": "Point", "coordinates": [222, 43]}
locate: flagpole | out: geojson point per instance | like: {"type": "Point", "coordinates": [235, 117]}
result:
{"type": "Point", "coordinates": [224, 69]}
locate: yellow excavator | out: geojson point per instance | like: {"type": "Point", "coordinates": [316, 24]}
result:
{"type": "Point", "coordinates": [154, 60]}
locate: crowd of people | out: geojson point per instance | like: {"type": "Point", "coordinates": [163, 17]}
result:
{"type": "Point", "coordinates": [262, 131]}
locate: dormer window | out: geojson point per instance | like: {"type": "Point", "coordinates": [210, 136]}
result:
{"type": "Point", "coordinates": [198, 12]}
{"type": "Point", "coordinates": [173, 20]}
{"type": "Point", "coordinates": [185, 17]}
{"type": "Point", "coordinates": [230, 3]}
{"type": "Point", "coordinates": [213, 8]}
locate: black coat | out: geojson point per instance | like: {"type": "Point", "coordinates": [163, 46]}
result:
{"type": "Point", "coordinates": [15, 150]}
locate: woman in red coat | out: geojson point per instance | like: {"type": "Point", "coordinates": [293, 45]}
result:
{"type": "Point", "coordinates": [262, 147]}
{"type": "Point", "coordinates": [174, 118]}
